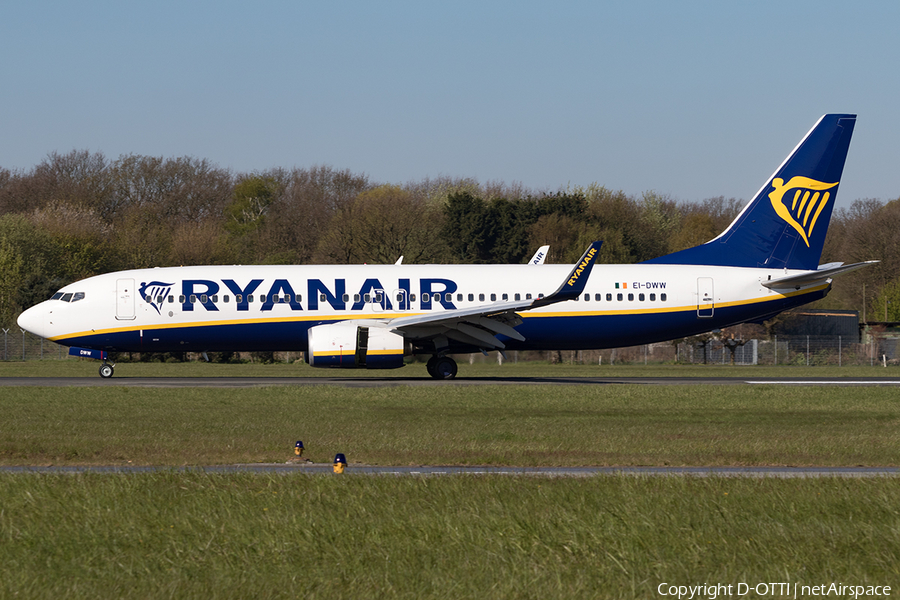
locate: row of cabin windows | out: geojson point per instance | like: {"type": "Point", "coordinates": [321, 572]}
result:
{"type": "Point", "coordinates": [377, 298]}
{"type": "Point", "coordinates": [620, 297]}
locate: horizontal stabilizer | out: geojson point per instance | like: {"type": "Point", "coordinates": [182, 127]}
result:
{"type": "Point", "coordinates": [813, 277]}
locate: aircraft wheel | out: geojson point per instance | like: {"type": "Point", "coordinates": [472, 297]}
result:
{"type": "Point", "coordinates": [444, 368]}
{"type": "Point", "coordinates": [106, 371]}
{"type": "Point", "coordinates": [429, 366]}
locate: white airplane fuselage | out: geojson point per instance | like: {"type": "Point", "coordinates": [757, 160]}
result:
{"type": "Point", "coordinates": [197, 308]}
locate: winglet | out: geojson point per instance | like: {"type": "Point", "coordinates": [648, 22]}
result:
{"type": "Point", "coordinates": [539, 256]}
{"type": "Point", "coordinates": [574, 284]}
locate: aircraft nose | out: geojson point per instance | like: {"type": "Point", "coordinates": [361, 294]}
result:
{"type": "Point", "coordinates": [32, 320]}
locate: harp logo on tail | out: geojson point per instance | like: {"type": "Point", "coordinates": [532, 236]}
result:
{"type": "Point", "coordinates": [801, 208]}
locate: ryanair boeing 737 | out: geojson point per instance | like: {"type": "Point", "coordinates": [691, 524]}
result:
{"type": "Point", "coordinates": [372, 316]}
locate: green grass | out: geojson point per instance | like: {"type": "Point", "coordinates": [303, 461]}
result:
{"type": "Point", "coordinates": [200, 535]}
{"type": "Point", "coordinates": [74, 367]}
{"type": "Point", "coordinates": [208, 536]}
{"type": "Point", "coordinates": [486, 425]}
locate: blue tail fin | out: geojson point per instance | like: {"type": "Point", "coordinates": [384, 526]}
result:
{"type": "Point", "coordinates": [784, 226]}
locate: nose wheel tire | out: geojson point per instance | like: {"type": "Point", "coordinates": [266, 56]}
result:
{"type": "Point", "coordinates": [442, 367]}
{"type": "Point", "coordinates": [106, 371]}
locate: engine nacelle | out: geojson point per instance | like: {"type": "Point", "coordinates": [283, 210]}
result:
{"type": "Point", "coordinates": [348, 345]}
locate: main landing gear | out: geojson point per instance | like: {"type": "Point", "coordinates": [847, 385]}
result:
{"type": "Point", "coordinates": [441, 367]}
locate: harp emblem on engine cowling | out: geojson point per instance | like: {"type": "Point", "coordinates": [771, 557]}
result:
{"type": "Point", "coordinates": [801, 209]}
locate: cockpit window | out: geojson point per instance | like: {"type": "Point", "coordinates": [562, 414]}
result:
{"type": "Point", "coordinates": [68, 297]}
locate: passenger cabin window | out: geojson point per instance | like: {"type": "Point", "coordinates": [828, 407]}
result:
{"type": "Point", "coordinates": [481, 297]}
{"type": "Point", "coordinates": [298, 298]}
{"type": "Point", "coordinates": [249, 298]}
{"type": "Point", "coordinates": [505, 297]}
{"type": "Point", "coordinates": [493, 297]}
{"type": "Point", "coordinates": [426, 297]}
{"type": "Point", "coordinates": [192, 299]}
{"type": "Point", "coordinates": [528, 296]}
{"type": "Point", "coordinates": [641, 297]}
{"type": "Point", "coordinates": [662, 297]}
{"type": "Point", "coordinates": [652, 297]}
{"type": "Point", "coordinates": [518, 297]}
{"type": "Point", "coordinates": [471, 297]}
{"type": "Point", "coordinates": [367, 298]}
{"type": "Point", "coordinates": [631, 297]}
{"type": "Point", "coordinates": [598, 297]}
{"type": "Point", "coordinates": [609, 298]}
{"type": "Point", "coordinates": [448, 297]}
{"type": "Point", "coordinates": [587, 297]}
{"type": "Point", "coordinates": [346, 297]}
{"type": "Point", "coordinates": [459, 297]}
{"type": "Point", "coordinates": [619, 297]}
{"type": "Point", "coordinates": [226, 298]}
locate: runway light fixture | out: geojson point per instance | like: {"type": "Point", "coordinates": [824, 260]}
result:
{"type": "Point", "coordinates": [298, 448]}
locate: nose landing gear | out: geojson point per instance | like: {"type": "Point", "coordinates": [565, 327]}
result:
{"type": "Point", "coordinates": [106, 370]}
{"type": "Point", "coordinates": [441, 367]}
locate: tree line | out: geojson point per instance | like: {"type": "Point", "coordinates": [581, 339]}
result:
{"type": "Point", "coordinates": [80, 214]}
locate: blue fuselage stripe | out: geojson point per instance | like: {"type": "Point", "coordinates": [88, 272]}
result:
{"type": "Point", "coordinates": [557, 332]}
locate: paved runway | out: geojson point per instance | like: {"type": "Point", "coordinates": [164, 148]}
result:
{"type": "Point", "coordinates": [243, 382]}
{"type": "Point", "coordinates": [326, 469]}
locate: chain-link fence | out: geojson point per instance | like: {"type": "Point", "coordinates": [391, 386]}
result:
{"type": "Point", "coordinates": [809, 350]}
{"type": "Point", "coordinates": [17, 344]}
{"type": "Point", "coordinates": [780, 350]}
{"type": "Point", "coordinates": [802, 350]}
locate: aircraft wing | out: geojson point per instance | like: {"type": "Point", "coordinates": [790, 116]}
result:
{"type": "Point", "coordinates": [480, 325]}
{"type": "Point", "coordinates": [824, 272]}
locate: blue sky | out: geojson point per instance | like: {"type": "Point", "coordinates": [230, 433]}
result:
{"type": "Point", "coordinates": [691, 99]}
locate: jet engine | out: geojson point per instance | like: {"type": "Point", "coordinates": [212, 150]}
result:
{"type": "Point", "coordinates": [348, 345]}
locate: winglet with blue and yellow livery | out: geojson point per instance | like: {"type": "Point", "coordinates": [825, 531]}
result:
{"type": "Point", "coordinates": [571, 287]}
{"type": "Point", "coordinates": [574, 284]}
{"type": "Point", "coordinates": [784, 226]}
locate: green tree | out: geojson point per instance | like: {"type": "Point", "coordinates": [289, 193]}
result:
{"type": "Point", "coordinates": [886, 304]}
{"type": "Point", "coordinates": [383, 224]}
{"type": "Point", "coordinates": [29, 261]}
{"type": "Point", "coordinates": [250, 201]}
